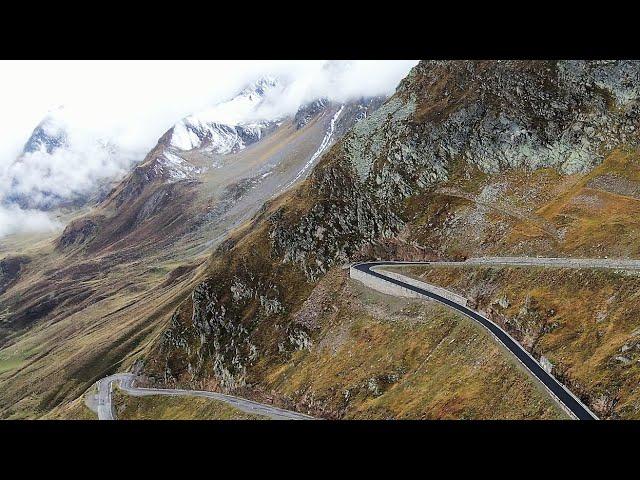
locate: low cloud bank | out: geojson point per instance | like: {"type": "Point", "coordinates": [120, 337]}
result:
{"type": "Point", "coordinates": [338, 81]}
{"type": "Point", "coordinates": [40, 179]}
{"type": "Point", "coordinates": [14, 219]}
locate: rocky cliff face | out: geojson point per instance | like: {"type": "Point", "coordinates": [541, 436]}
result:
{"type": "Point", "coordinates": [447, 118]}
{"type": "Point", "coordinates": [491, 115]}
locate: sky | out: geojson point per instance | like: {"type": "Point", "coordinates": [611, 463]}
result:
{"type": "Point", "coordinates": [132, 103]}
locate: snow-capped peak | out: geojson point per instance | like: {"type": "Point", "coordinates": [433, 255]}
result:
{"type": "Point", "coordinates": [48, 136]}
{"type": "Point", "coordinates": [241, 107]}
{"type": "Point", "coordinates": [62, 165]}
{"type": "Point", "coordinates": [228, 126]}
{"type": "Point", "coordinates": [261, 87]}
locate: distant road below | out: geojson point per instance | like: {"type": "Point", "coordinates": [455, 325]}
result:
{"type": "Point", "coordinates": [104, 407]}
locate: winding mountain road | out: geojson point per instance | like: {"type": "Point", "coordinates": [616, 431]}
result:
{"type": "Point", "coordinates": [104, 407]}
{"type": "Point", "coordinates": [389, 283]}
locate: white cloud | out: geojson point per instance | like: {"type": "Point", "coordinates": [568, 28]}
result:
{"type": "Point", "coordinates": [65, 173]}
{"type": "Point", "coordinates": [337, 80]}
{"type": "Point", "coordinates": [13, 219]}
{"type": "Point", "coordinates": [132, 103]}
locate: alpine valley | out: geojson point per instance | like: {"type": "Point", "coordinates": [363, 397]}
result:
{"type": "Point", "coordinates": [220, 261]}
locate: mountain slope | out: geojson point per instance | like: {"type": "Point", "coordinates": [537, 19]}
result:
{"type": "Point", "coordinates": [521, 133]}
{"type": "Point", "coordinates": [76, 307]}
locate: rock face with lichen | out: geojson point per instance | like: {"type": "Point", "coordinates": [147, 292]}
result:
{"type": "Point", "coordinates": [494, 115]}
{"type": "Point", "coordinates": [486, 115]}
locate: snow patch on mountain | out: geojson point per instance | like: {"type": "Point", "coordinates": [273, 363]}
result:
{"type": "Point", "coordinates": [326, 141]}
{"type": "Point", "coordinates": [217, 138]}
{"type": "Point", "coordinates": [243, 106]}
{"type": "Point", "coordinates": [173, 167]}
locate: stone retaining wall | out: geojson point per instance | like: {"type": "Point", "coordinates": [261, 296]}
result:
{"type": "Point", "coordinates": [399, 291]}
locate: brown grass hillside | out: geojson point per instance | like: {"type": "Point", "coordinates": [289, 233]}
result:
{"type": "Point", "coordinates": [467, 159]}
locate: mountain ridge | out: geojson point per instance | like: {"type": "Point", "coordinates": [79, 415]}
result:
{"type": "Point", "coordinates": [98, 291]}
{"type": "Point", "coordinates": [223, 278]}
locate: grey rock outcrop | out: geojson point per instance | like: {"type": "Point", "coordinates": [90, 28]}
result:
{"type": "Point", "coordinates": [494, 115]}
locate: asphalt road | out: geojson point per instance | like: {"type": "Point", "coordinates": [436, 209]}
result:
{"type": "Point", "coordinates": [125, 381]}
{"type": "Point", "coordinates": [569, 401]}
